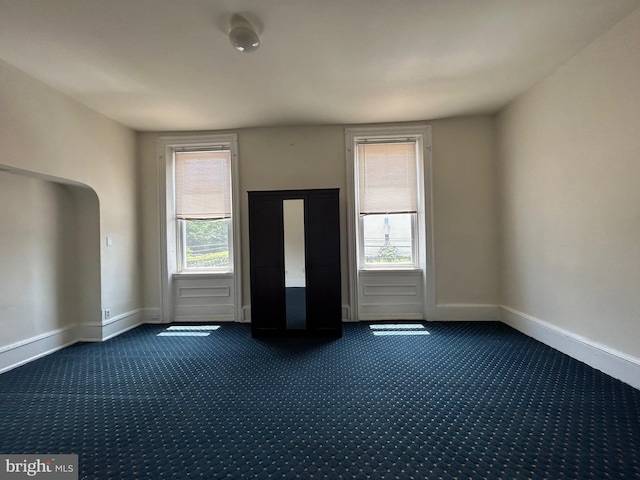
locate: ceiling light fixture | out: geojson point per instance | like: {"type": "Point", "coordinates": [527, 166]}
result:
{"type": "Point", "coordinates": [242, 35]}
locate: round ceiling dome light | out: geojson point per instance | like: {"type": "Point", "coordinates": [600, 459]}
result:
{"type": "Point", "coordinates": [242, 35]}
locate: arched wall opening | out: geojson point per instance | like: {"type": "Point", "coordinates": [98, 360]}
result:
{"type": "Point", "coordinates": [50, 287]}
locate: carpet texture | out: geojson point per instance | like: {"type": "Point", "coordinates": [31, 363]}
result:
{"type": "Point", "coordinates": [467, 401]}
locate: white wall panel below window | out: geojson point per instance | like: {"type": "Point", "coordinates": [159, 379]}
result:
{"type": "Point", "coordinates": [386, 295]}
{"type": "Point", "coordinates": [202, 298]}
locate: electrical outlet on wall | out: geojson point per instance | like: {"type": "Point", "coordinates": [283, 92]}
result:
{"type": "Point", "coordinates": [107, 313]}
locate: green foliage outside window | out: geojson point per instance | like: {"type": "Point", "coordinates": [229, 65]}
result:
{"type": "Point", "coordinates": [389, 254]}
{"type": "Point", "coordinates": [207, 243]}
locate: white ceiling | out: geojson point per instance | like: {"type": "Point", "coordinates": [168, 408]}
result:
{"type": "Point", "coordinates": [168, 65]}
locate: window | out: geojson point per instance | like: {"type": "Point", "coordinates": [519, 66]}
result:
{"type": "Point", "coordinates": [199, 200]}
{"type": "Point", "coordinates": [200, 264]}
{"type": "Point", "coordinates": [390, 231]}
{"type": "Point", "coordinates": [387, 202]}
{"type": "Point", "coordinates": [203, 209]}
{"type": "Point", "coordinates": [387, 185]}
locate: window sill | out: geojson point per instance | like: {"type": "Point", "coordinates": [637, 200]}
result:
{"type": "Point", "coordinates": [396, 270]}
{"type": "Point", "coordinates": [200, 275]}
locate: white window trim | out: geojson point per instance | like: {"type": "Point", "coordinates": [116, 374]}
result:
{"type": "Point", "coordinates": [425, 244]}
{"type": "Point", "coordinates": [169, 235]}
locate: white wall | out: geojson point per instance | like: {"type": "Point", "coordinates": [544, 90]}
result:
{"type": "Point", "coordinates": [314, 157]}
{"type": "Point", "coordinates": [570, 196]}
{"type": "Point", "coordinates": [46, 135]}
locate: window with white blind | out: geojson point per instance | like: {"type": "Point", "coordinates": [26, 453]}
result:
{"type": "Point", "coordinates": [200, 263]}
{"type": "Point", "coordinates": [387, 200]}
{"type": "Point", "coordinates": [388, 191]}
{"type": "Point", "coordinates": [200, 198]}
{"type": "Point", "coordinates": [203, 208]}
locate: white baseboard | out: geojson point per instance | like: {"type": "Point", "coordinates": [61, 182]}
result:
{"type": "Point", "coordinates": [466, 312]}
{"type": "Point", "coordinates": [29, 349]}
{"type": "Point", "coordinates": [25, 351]}
{"type": "Point", "coordinates": [122, 323]}
{"type": "Point", "coordinates": [615, 364]}
{"type": "Point", "coordinates": [89, 332]}
{"type": "Point", "coordinates": [99, 332]}
{"type": "Point", "coordinates": [203, 318]}
{"type": "Point", "coordinates": [151, 315]}
{"type": "Point", "coordinates": [346, 314]}
{"type": "Point", "coordinates": [374, 317]}
{"type": "Point", "coordinates": [442, 312]}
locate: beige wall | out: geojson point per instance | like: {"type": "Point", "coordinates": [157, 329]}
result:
{"type": "Point", "coordinates": [465, 193]}
{"type": "Point", "coordinates": [570, 194]}
{"type": "Point", "coordinates": [314, 157]}
{"type": "Point", "coordinates": [36, 265]}
{"type": "Point", "coordinates": [291, 158]}
{"type": "Point", "coordinates": [45, 134]}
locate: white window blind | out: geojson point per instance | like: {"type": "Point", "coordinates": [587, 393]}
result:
{"type": "Point", "coordinates": [203, 185]}
{"type": "Point", "coordinates": [387, 178]}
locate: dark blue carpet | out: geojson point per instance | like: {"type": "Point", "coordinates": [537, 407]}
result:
{"type": "Point", "coordinates": [471, 400]}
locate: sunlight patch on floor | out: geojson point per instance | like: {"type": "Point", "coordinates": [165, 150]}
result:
{"type": "Point", "coordinates": [388, 329]}
{"type": "Point", "coordinates": [401, 332]}
{"type": "Point", "coordinates": [188, 331]}
{"type": "Point", "coordinates": [193, 327]}
{"type": "Point", "coordinates": [184, 334]}
{"type": "Point", "coordinates": [399, 326]}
